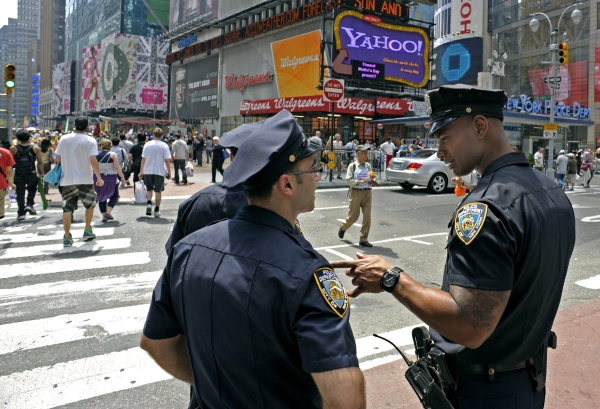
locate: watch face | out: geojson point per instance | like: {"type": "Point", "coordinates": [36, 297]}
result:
{"type": "Point", "coordinates": [389, 279]}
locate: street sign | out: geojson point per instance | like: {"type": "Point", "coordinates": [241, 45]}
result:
{"type": "Point", "coordinates": [548, 80]}
{"type": "Point", "coordinates": [333, 90]}
{"type": "Point", "coordinates": [550, 130]}
{"type": "Point", "coordinates": [555, 85]}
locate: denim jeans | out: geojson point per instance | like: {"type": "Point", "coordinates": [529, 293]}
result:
{"type": "Point", "coordinates": [560, 177]}
{"type": "Point", "coordinates": [179, 164]}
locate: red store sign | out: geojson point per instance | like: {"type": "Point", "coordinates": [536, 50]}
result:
{"type": "Point", "coordinates": [243, 80]}
{"type": "Point", "coordinates": [350, 106]}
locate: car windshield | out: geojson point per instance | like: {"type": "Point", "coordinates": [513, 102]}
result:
{"type": "Point", "coordinates": [422, 153]}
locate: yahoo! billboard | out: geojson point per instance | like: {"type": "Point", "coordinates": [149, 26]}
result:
{"type": "Point", "coordinates": [404, 50]}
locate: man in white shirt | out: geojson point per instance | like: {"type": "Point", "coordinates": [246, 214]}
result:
{"type": "Point", "coordinates": [338, 149]}
{"type": "Point", "coordinates": [539, 160]}
{"type": "Point", "coordinates": [388, 150]}
{"type": "Point", "coordinates": [76, 153]}
{"type": "Point", "coordinates": [561, 168]}
{"type": "Point", "coordinates": [179, 150]}
{"type": "Point", "coordinates": [156, 159]}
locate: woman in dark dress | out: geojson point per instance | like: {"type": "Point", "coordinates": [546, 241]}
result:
{"type": "Point", "coordinates": [218, 158]}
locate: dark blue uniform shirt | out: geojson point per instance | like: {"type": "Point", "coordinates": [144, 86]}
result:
{"type": "Point", "coordinates": [261, 310]}
{"type": "Point", "coordinates": [515, 231]}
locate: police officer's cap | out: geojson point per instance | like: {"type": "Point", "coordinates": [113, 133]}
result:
{"type": "Point", "coordinates": [269, 151]}
{"type": "Point", "coordinates": [449, 102]}
{"type": "Point", "coordinates": [235, 137]}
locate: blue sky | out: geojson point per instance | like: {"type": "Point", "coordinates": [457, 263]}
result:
{"type": "Point", "coordinates": [8, 9]}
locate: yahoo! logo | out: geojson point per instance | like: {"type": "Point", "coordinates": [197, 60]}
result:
{"type": "Point", "coordinates": [362, 40]}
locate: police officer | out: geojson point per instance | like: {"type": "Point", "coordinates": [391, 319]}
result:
{"type": "Point", "coordinates": [360, 179]}
{"type": "Point", "coordinates": [246, 309]}
{"type": "Point", "coordinates": [506, 262]}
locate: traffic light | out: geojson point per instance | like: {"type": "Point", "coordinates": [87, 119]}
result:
{"type": "Point", "coordinates": [10, 77]}
{"type": "Point", "coordinates": [563, 53]}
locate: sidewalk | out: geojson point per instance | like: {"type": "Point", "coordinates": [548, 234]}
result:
{"type": "Point", "coordinates": [571, 367]}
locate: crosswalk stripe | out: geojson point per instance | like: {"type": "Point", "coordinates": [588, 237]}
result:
{"type": "Point", "coordinates": [25, 335]}
{"type": "Point", "coordinates": [370, 345]}
{"type": "Point", "coordinates": [73, 264]}
{"type": "Point", "coordinates": [73, 226]}
{"type": "Point", "coordinates": [73, 381]}
{"type": "Point", "coordinates": [29, 237]}
{"type": "Point", "coordinates": [117, 285]}
{"type": "Point", "coordinates": [56, 249]}
{"type": "Point", "coordinates": [593, 283]}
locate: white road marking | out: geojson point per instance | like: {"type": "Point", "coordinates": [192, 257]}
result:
{"type": "Point", "coordinates": [379, 361]}
{"type": "Point", "coordinates": [27, 218]}
{"type": "Point", "coordinates": [132, 200]}
{"type": "Point", "coordinates": [337, 253]}
{"type": "Point", "coordinates": [355, 224]}
{"type": "Point", "coordinates": [73, 264]}
{"type": "Point", "coordinates": [114, 286]}
{"type": "Point", "coordinates": [419, 242]}
{"type": "Point", "coordinates": [591, 219]}
{"type": "Point", "coordinates": [29, 237]}
{"type": "Point", "coordinates": [409, 238]}
{"type": "Point", "coordinates": [73, 381]}
{"type": "Point", "coordinates": [55, 249]}
{"type": "Point", "coordinates": [592, 283]}
{"type": "Point", "coordinates": [576, 206]}
{"type": "Point", "coordinates": [44, 332]}
{"type": "Point", "coordinates": [329, 208]}
{"type": "Point", "coordinates": [370, 345]}
{"type": "Point", "coordinates": [73, 226]}
{"type": "Point", "coordinates": [345, 189]}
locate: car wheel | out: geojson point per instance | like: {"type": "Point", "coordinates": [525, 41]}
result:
{"type": "Point", "coordinates": [406, 185]}
{"type": "Point", "coordinates": [438, 183]}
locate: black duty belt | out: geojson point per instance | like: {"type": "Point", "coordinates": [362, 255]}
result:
{"type": "Point", "coordinates": [490, 370]}
{"type": "Point", "coordinates": [367, 188]}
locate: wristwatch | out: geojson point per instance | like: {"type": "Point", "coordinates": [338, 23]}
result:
{"type": "Point", "coordinates": [390, 279]}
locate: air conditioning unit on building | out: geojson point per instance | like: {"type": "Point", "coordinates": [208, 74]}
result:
{"type": "Point", "coordinates": [498, 69]}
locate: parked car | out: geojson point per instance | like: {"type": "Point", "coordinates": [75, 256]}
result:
{"type": "Point", "coordinates": [420, 168]}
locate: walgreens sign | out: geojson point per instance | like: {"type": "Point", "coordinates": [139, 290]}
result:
{"type": "Point", "coordinates": [241, 81]}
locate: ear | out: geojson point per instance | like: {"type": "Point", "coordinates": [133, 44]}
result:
{"type": "Point", "coordinates": [482, 125]}
{"type": "Point", "coordinates": [285, 185]}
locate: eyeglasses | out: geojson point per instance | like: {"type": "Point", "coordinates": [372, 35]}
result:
{"type": "Point", "coordinates": [316, 168]}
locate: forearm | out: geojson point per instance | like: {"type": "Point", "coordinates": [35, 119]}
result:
{"type": "Point", "coordinates": [171, 355]}
{"type": "Point", "coordinates": [168, 165]}
{"type": "Point", "coordinates": [440, 311]}
{"type": "Point", "coordinates": [341, 388]}
{"type": "Point", "coordinates": [10, 177]}
{"type": "Point", "coordinates": [96, 169]}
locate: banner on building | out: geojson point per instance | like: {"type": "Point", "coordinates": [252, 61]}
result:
{"type": "Point", "coordinates": [183, 11]}
{"type": "Point", "coordinates": [297, 63]}
{"type": "Point", "coordinates": [458, 61]}
{"type": "Point", "coordinates": [194, 89]}
{"type": "Point", "coordinates": [573, 85]}
{"type": "Point", "coordinates": [467, 17]}
{"type": "Point", "coordinates": [125, 72]}
{"type": "Point", "coordinates": [403, 50]}
{"type": "Point", "coordinates": [61, 89]}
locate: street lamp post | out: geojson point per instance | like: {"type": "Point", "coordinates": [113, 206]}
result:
{"type": "Point", "coordinates": [534, 24]}
{"type": "Point", "coordinates": [154, 110]}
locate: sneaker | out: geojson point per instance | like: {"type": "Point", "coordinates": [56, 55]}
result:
{"type": "Point", "coordinates": [67, 241]}
{"type": "Point", "coordinates": [365, 244]}
{"type": "Point", "coordinates": [339, 177]}
{"type": "Point", "coordinates": [88, 234]}
{"type": "Point", "coordinates": [30, 210]}
{"type": "Point", "coordinates": [128, 184]}
{"type": "Point", "coordinates": [149, 209]}
{"type": "Point", "coordinates": [157, 213]}
{"type": "Point", "coordinates": [341, 233]}
{"type": "Point", "coordinates": [571, 189]}
{"type": "Point", "coordinates": [21, 217]}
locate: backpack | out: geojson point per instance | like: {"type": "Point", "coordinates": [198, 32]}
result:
{"type": "Point", "coordinates": [24, 160]}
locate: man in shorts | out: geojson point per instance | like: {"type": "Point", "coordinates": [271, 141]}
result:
{"type": "Point", "coordinates": [77, 154]}
{"type": "Point", "coordinates": [156, 159]}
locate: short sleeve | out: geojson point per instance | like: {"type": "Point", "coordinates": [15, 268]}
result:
{"type": "Point", "coordinates": [167, 152]}
{"type": "Point", "coordinates": [161, 322]}
{"type": "Point", "coordinates": [144, 152]}
{"type": "Point", "coordinates": [322, 324]}
{"type": "Point", "coordinates": [481, 248]}
{"type": "Point", "coordinates": [93, 147]}
{"type": "Point", "coordinates": [58, 149]}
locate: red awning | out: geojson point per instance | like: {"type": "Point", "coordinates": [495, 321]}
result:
{"type": "Point", "coordinates": [315, 104]}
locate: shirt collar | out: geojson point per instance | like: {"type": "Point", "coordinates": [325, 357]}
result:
{"type": "Point", "coordinates": [509, 159]}
{"type": "Point", "coordinates": [257, 214]}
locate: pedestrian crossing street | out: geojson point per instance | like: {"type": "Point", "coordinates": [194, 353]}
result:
{"type": "Point", "coordinates": [58, 305]}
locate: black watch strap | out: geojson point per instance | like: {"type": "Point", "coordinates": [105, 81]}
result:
{"type": "Point", "coordinates": [390, 279]}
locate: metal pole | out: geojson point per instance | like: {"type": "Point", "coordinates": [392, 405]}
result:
{"type": "Point", "coordinates": [9, 111]}
{"type": "Point", "coordinates": [331, 138]}
{"type": "Point", "coordinates": [553, 51]}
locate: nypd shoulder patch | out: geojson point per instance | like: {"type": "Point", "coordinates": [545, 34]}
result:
{"type": "Point", "coordinates": [332, 290]}
{"type": "Point", "coordinates": [469, 220]}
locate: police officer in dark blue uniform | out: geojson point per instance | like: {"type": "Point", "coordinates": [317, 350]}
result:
{"type": "Point", "coordinates": [506, 262]}
{"type": "Point", "coordinates": [246, 309]}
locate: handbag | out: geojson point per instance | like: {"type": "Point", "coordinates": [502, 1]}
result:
{"type": "Point", "coordinates": [584, 166]}
{"type": "Point", "coordinates": [139, 189]}
{"type": "Point", "coordinates": [225, 154]}
{"type": "Point", "coordinates": [189, 169]}
{"type": "Point", "coordinates": [53, 177]}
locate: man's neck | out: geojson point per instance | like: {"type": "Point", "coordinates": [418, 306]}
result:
{"type": "Point", "coordinates": [26, 143]}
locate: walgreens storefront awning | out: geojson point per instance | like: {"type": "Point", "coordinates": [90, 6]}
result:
{"type": "Point", "coordinates": [315, 104]}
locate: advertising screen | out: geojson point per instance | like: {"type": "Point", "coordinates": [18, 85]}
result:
{"type": "Point", "coordinates": [404, 50]}
{"type": "Point", "coordinates": [182, 11]}
{"type": "Point", "coordinates": [296, 61]}
{"type": "Point", "coordinates": [459, 61]}
{"type": "Point", "coordinates": [597, 77]}
{"type": "Point", "coordinates": [61, 89]}
{"type": "Point", "coordinates": [194, 89]}
{"type": "Point", "coordinates": [573, 86]}
{"type": "Point", "coordinates": [362, 70]}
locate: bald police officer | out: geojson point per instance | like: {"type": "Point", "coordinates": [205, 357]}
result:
{"type": "Point", "coordinates": [246, 309]}
{"type": "Point", "coordinates": [506, 264]}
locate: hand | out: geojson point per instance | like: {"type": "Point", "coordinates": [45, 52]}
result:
{"type": "Point", "coordinates": [99, 182]}
{"type": "Point", "coordinates": [168, 175]}
{"type": "Point", "coordinates": [457, 180]}
{"type": "Point", "coordinates": [12, 186]}
{"type": "Point", "coordinates": [366, 273]}
{"type": "Point", "coordinates": [141, 175]}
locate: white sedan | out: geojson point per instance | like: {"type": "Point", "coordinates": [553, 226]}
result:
{"type": "Point", "coordinates": [420, 168]}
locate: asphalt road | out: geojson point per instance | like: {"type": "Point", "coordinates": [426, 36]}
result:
{"type": "Point", "coordinates": [70, 318]}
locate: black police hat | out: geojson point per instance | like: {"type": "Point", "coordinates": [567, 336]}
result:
{"type": "Point", "coordinates": [235, 137]}
{"type": "Point", "coordinates": [449, 102]}
{"type": "Point", "coordinates": [269, 151]}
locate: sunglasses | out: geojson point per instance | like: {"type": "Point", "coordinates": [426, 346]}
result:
{"type": "Point", "coordinates": [316, 168]}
